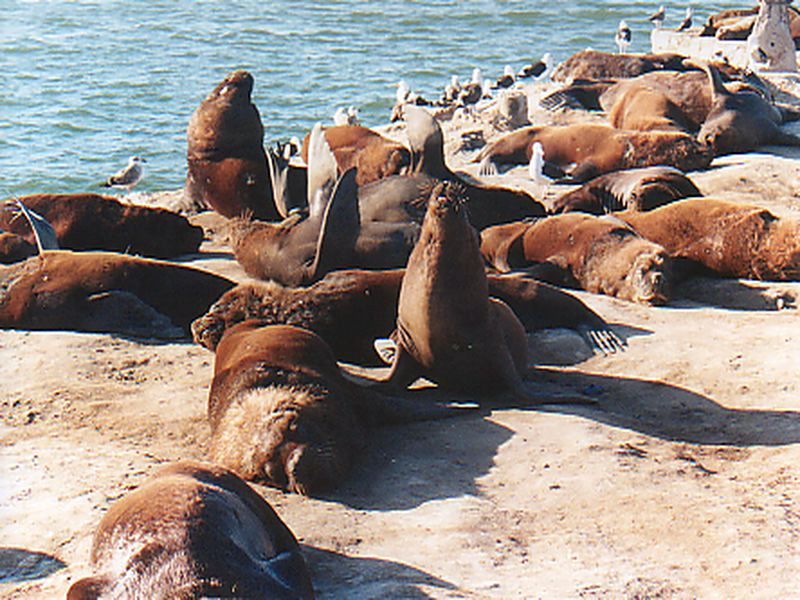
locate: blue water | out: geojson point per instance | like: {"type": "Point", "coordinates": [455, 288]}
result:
{"type": "Point", "coordinates": [85, 84]}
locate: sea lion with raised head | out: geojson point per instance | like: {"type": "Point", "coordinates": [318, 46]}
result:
{"type": "Point", "coordinates": [194, 530]}
{"type": "Point", "coordinates": [596, 149]}
{"type": "Point", "coordinates": [282, 413]}
{"type": "Point", "coordinates": [598, 254]}
{"type": "Point", "coordinates": [631, 189]}
{"type": "Point", "coordinates": [350, 309]}
{"type": "Point", "coordinates": [227, 165]}
{"type": "Point", "coordinates": [727, 238]}
{"type": "Point", "coordinates": [95, 222]}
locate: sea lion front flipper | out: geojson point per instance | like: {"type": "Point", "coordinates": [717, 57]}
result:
{"type": "Point", "coordinates": [43, 232]}
{"type": "Point", "coordinates": [386, 349]}
{"type": "Point", "coordinates": [124, 312]}
{"type": "Point", "coordinates": [405, 370]}
{"type": "Point", "coordinates": [782, 138]}
{"type": "Point", "coordinates": [339, 228]}
{"type": "Point", "coordinates": [289, 569]}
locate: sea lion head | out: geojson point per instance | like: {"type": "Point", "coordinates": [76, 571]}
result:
{"type": "Point", "coordinates": [650, 277]}
{"type": "Point", "coordinates": [447, 200]}
{"type": "Point", "coordinates": [238, 86]}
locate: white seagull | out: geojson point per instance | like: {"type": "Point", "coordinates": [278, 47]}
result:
{"type": "Point", "coordinates": [623, 37]}
{"type": "Point", "coordinates": [687, 20]}
{"type": "Point", "coordinates": [128, 177]}
{"type": "Point", "coordinates": [536, 167]}
{"type": "Point", "coordinates": [657, 18]}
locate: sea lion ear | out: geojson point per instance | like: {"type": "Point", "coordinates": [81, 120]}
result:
{"type": "Point", "coordinates": [322, 171]}
{"type": "Point", "coordinates": [340, 227]}
{"type": "Point", "coordinates": [44, 233]}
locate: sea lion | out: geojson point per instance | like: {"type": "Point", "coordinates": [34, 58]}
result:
{"type": "Point", "coordinates": [594, 65]}
{"type": "Point", "coordinates": [598, 254]}
{"type": "Point", "coordinates": [14, 248]}
{"type": "Point", "coordinates": [633, 189]}
{"type": "Point", "coordinates": [105, 292]}
{"type": "Point", "coordinates": [645, 109]}
{"type": "Point", "coordinates": [282, 413]}
{"type": "Point", "coordinates": [194, 530]}
{"type": "Point", "coordinates": [729, 239]}
{"type": "Point", "coordinates": [374, 155]}
{"type": "Point", "coordinates": [737, 24]}
{"type": "Point", "coordinates": [227, 165]}
{"type": "Point", "coordinates": [596, 149]}
{"type": "Point", "coordinates": [741, 121]}
{"type": "Point", "coordinates": [352, 308]}
{"type": "Point", "coordinates": [95, 222]}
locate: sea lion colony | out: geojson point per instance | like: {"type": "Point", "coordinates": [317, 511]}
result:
{"type": "Point", "coordinates": [362, 238]}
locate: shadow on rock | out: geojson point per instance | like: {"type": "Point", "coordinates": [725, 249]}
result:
{"type": "Point", "coordinates": [734, 294]}
{"type": "Point", "coordinates": [336, 576]}
{"type": "Point", "coordinates": [18, 565]}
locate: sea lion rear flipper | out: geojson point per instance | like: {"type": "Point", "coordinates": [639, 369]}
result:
{"type": "Point", "coordinates": [782, 138]}
{"type": "Point", "coordinates": [279, 174]}
{"type": "Point", "coordinates": [386, 349]}
{"type": "Point", "coordinates": [322, 172]}
{"type": "Point", "coordinates": [788, 113]}
{"type": "Point", "coordinates": [339, 229]}
{"type": "Point", "coordinates": [602, 338]}
{"type": "Point", "coordinates": [123, 312]}
{"type": "Point", "coordinates": [487, 167]}
{"type": "Point", "coordinates": [43, 232]}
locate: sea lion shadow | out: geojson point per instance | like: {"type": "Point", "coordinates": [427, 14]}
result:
{"type": "Point", "coordinates": [204, 255]}
{"type": "Point", "coordinates": [782, 151]}
{"type": "Point", "coordinates": [673, 413]}
{"type": "Point", "coordinates": [376, 578]}
{"type": "Point", "coordinates": [736, 294]}
{"type": "Point", "coordinates": [18, 565]}
{"type": "Point", "coordinates": [408, 465]}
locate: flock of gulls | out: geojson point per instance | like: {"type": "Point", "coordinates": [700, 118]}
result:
{"type": "Point", "coordinates": [624, 36]}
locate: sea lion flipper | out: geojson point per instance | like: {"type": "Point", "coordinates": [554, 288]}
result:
{"type": "Point", "coordinates": [386, 409]}
{"type": "Point", "coordinates": [405, 370]}
{"type": "Point", "coordinates": [602, 339]}
{"type": "Point", "coordinates": [43, 232]}
{"type": "Point", "coordinates": [278, 173]}
{"type": "Point", "coordinates": [783, 138]}
{"type": "Point", "coordinates": [386, 349]}
{"type": "Point", "coordinates": [289, 570]}
{"type": "Point", "coordinates": [339, 229]}
{"type": "Point", "coordinates": [487, 167]}
{"type": "Point", "coordinates": [322, 172]}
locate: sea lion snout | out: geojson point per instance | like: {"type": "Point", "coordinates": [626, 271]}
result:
{"type": "Point", "coordinates": [652, 279]}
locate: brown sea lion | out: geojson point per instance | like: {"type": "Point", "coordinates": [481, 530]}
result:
{"type": "Point", "coordinates": [14, 248]}
{"type": "Point", "coordinates": [374, 155]}
{"type": "Point", "coordinates": [596, 149]}
{"type": "Point", "coordinates": [282, 413]}
{"type": "Point", "coordinates": [741, 121]}
{"type": "Point", "coordinates": [645, 109]}
{"type": "Point", "coordinates": [730, 239]}
{"type": "Point", "coordinates": [226, 160]}
{"type": "Point", "coordinates": [634, 189]}
{"type": "Point", "coordinates": [598, 254]}
{"type": "Point", "coordinates": [737, 24]}
{"type": "Point", "coordinates": [593, 64]}
{"type": "Point", "coordinates": [105, 292]}
{"type": "Point", "coordinates": [95, 222]}
{"type": "Point", "coordinates": [194, 530]}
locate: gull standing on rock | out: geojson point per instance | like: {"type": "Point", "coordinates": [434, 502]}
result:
{"type": "Point", "coordinates": [687, 20]}
{"type": "Point", "coordinates": [128, 177]}
{"type": "Point", "coordinates": [506, 80]}
{"type": "Point", "coordinates": [623, 37]}
{"type": "Point", "coordinates": [538, 70]}
{"type": "Point", "coordinates": [657, 18]}
{"type": "Point", "coordinates": [536, 167]}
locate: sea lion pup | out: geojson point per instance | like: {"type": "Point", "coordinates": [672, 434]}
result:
{"type": "Point", "coordinates": [194, 530]}
{"type": "Point", "coordinates": [448, 328]}
{"type": "Point", "coordinates": [95, 222]}
{"type": "Point", "coordinates": [741, 121]}
{"type": "Point", "coordinates": [730, 239]}
{"type": "Point", "coordinates": [353, 308]}
{"type": "Point", "coordinates": [598, 254]}
{"type": "Point", "coordinates": [282, 413]}
{"type": "Point", "coordinates": [594, 65]}
{"type": "Point", "coordinates": [105, 292]}
{"type": "Point", "coordinates": [227, 165]}
{"type": "Point", "coordinates": [374, 155]}
{"type": "Point", "coordinates": [632, 189]}
{"type": "Point", "coordinates": [596, 149]}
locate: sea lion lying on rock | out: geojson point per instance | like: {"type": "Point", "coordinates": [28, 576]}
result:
{"type": "Point", "coordinates": [598, 254]}
{"type": "Point", "coordinates": [374, 156]}
{"type": "Point", "coordinates": [594, 65]}
{"type": "Point", "coordinates": [351, 309]}
{"type": "Point", "coordinates": [595, 149]}
{"type": "Point", "coordinates": [14, 248]}
{"type": "Point", "coordinates": [282, 413]}
{"type": "Point", "coordinates": [227, 164]}
{"type": "Point", "coordinates": [730, 239]}
{"type": "Point", "coordinates": [194, 530]}
{"type": "Point", "coordinates": [94, 222]}
{"type": "Point", "coordinates": [632, 189]}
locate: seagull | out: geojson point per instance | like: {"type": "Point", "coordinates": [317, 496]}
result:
{"type": "Point", "coordinates": [538, 70]}
{"type": "Point", "coordinates": [506, 80]}
{"type": "Point", "coordinates": [346, 116]}
{"type": "Point", "coordinates": [687, 20]}
{"type": "Point", "coordinates": [536, 166]}
{"type": "Point", "coordinates": [128, 177]}
{"type": "Point", "coordinates": [451, 90]}
{"type": "Point", "coordinates": [623, 37]}
{"type": "Point", "coordinates": [657, 18]}
{"type": "Point", "coordinates": [473, 91]}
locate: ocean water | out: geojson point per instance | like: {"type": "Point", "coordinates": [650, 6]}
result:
{"type": "Point", "coordinates": [86, 84]}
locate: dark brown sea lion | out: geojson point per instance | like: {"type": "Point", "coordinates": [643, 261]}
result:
{"type": "Point", "coordinates": [350, 309]}
{"type": "Point", "coordinates": [741, 121]}
{"type": "Point", "coordinates": [374, 155]}
{"type": "Point", "coordinates": [194, 530]}
{"type": "Point", "coordinates": [14, 248]}
{"type": "Point", "coordinates": [634, 189]}
{"type": "Point", "coordinates": [598, 254]}
{"type": "Point", "coordinates": [596, 149]}
{"type": "Point", "coordinates": [282, 413]}
{"type": "Point", "coordinates": [227, 165]}
{"type": "Point", "coordinates": [593, 64]}
{"type": "Point", "coordinates": [645, 109]}
{"type": "Point", "coordinates": [105, 292]}
{"type": "Point", "coordinates": [730, 239]}
{"type": "Point", "coordinates": [94, 222]}
{"type": "Point", "coordinates": [737, 24]}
